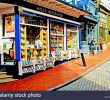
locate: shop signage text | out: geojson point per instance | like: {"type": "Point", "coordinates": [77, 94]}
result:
{"type": "Point", "coordinates": [48, 11]}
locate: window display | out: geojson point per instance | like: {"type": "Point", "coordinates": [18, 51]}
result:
{"type": "Point", "coordinates": [34, 43]}
{"type": "Point", "coordinates": [56, 38]}
{"type": "Point", "coordinates": [23, 42]}
{"type": "Point", "coordinates": [57, 35]}
{"type": "Point", "coordinates": [72, 37]}
{"type": "Point", "coordinates": [34, 38]}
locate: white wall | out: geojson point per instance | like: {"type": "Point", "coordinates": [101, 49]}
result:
{"type": "Point", "coordinates": [1, 32]}
{"type": "Point", "coordinates": [105, 3]}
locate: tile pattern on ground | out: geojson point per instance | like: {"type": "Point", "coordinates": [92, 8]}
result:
{"type": "Point", "coordinates": [96, 80]}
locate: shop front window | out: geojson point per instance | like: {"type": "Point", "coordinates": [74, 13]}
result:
{"type": "Point", "coordinates": [34, 37]}
{"type": "Point", "coordinates": [72, 37]}
{"type": "Point", "coordinates": [56, 35]}
{"type": "Point", "coordinates": [102, 33]}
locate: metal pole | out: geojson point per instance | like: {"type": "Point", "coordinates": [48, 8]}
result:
{"type": "Point", "coordinates": [83, 59]}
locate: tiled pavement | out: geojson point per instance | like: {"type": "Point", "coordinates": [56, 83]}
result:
{"type": "Point", "coordinates": [96, 80]}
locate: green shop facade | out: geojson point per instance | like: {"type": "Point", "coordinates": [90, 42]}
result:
{"type": "Point", "coordinates": [34, 37]}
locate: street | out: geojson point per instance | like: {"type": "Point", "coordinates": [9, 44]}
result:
{"type": "Point", "coordinates": [96, 80]}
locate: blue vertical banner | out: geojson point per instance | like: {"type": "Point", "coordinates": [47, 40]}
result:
{"type": "Point", "coordinates": [80, 37]}
{"type": "Point", "coordinates": [17, 33]}
{"type": "Point", "coordinates": [66, 38]}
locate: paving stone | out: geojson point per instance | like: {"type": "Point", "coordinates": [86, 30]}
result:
{"type": "Point", "coordinates": [96, 80]}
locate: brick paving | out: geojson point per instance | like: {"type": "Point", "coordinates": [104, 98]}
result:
{"type": "Point", "coordinates": [96, 80]}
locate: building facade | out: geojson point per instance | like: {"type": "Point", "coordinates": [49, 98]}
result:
{"type": "Point", "coordinates": [89, 23]}
{"type": "Point", "coordinates": [37, 36]}
{"type": "Point", "coordinates": [104, 23]}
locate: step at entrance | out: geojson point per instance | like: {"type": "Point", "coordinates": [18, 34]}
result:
{"type": "Point", "coordinates": [6, 78]}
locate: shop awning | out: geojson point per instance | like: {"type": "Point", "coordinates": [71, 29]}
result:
{"type": "Point", "coordinates": [3, 5]}
{"type": "Point", "coordinates": [6, 8]}
{"type": "Point", "coordinates": [59, 6]}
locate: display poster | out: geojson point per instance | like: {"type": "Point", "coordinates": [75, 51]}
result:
{"type": "Point", "coordinates": [9, 26]}
{"type": "Point", "coordinates": [8, 50]}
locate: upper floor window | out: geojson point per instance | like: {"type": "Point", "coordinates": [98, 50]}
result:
{"type": "Point", "coordinates": [72, 2]}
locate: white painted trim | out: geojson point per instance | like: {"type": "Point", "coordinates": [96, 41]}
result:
{"type": "Point", "coordinates": [48, 15]}
{"type": "Point", "coordinates": [48, 37]}
{"type": "Point", "coordinates": [20, 71]}
{"type": "Point", "coordinates": [65, 37]}
{"type": "Point", "coordinates": [78, 37]}
{"type": "Point", "coordinates": [33, 25]}
{"type": "Point", "coordinates": [8, 63]}
{"type": "Point", "coordinates": [1, 44]}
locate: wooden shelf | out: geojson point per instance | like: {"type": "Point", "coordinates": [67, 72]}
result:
{"type": "Point", "coordinates": [57, 54]}
{"type": "Point", "coordinates": [27, 72]}
{"type": "Point", "coordinates": [54, 29]}
{"type": "Point", "coordinates": [56, 35]}
{"type": "Point", "coordinates": [25, 66]}
{"type": "Point", "coordinates": [48, 61]}
{"type": "Point", "coordinates": [23, 48]}
{"type": "Point", "coordinates": [39, 63]}
{"type": "Point", "coordinates": [71, 30]}
{"type": "Point", "coordinates": [65, 54]}
{"type": "Point", "coordinates": [56, 46]}
{"type": "Point", "coordinates": [33, 25]}
{"type": "Point", "coordinates": [35, 48]}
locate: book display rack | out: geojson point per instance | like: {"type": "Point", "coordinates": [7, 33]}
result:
{"type": "Point", "coordinates": [34, 43]}
{"type": "Point", "coordinates": [34, 38]}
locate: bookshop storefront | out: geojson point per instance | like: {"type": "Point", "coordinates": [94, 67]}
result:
{"type": "Point", "coordinates": [36, 39]}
